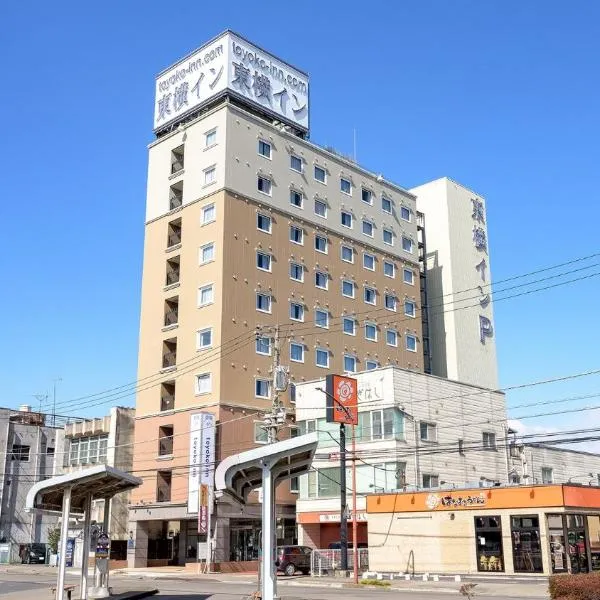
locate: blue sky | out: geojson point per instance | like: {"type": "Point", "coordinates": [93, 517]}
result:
{"type": "Point", "coordinates": [501, 96]}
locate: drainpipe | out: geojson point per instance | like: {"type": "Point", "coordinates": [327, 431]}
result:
{"type": "Point", "coordinates": [507, 453]}
{"type": "Point", "coordinates": [35, 480]}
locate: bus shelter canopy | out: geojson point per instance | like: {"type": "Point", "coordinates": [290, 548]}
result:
{"type": "Point", "coordinates": [101, 481]}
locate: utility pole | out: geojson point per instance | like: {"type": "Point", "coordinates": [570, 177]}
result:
{"type": "Point", "coordinates": [274, 420]}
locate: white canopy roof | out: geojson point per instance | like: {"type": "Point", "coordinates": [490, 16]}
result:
{"type": "Point", "coordinates": [101, 481]}
{"type": "Point", "coordinates": [239, 474]}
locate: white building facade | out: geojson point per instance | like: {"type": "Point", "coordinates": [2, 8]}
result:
{"type": "Point", "coordinates": [461, 316]}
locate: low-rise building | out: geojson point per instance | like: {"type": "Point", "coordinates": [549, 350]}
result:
{"type": "Point", "coordinates": [28, 442]}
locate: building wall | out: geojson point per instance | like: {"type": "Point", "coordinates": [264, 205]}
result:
{"type": "Point", "coordinates": [452, 281]}
{"type": "Point", "coordinates": [17, 477]}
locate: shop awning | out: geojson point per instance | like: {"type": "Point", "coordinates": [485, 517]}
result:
{"type": "Point", "coordinates": [101, 481]}
{"type": "Point", "coordinates": [239, 474]}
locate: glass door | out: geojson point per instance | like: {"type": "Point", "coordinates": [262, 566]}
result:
{"type": "Point", "coordinates": [593, 523]}
{"type": "Point", "coordinates": [578, 553]}
{"type": "Point", "coordinates": [558, 550]}
{"type": "Point", "coordinates": [527, 549]}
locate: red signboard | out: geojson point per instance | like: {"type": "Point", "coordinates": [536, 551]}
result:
{"type": "Point", "coordinates": [342, 399]}
{"type": "Point", "coordinates": [203, 509]}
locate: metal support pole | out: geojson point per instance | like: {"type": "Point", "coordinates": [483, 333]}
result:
{"type": "Point", "coordinates": [86, 546]}
{"type": "Point", "coordinates": [354, 514]}
{"type": "Point", "coordinates": [269, 580]}
{"type": "Point", "coordinates": [343, 510]}
{"type": "Point", "coordinates": [64, 532]}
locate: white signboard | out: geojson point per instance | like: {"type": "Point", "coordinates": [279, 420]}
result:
{"type": "Point", "coordinates": [335, 518]}
{"type": "Point", "coordinates": [207, 461]}
{"type": "Point", "coordinates": [195, 458]}
{"type": "Point", "coordinates": [230, 63]}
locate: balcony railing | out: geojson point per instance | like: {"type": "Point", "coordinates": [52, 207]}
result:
{"type": "Point", "coordinates": [177, 165]}
{"type": "Point", "coordinates": [175, 202]}
{"type": "Point", "coordinates": [165, 446]}
{"type": "Point", "coordinates": [171, 317]}
{"type": "Point", "coordinates": [172, 276]}
{"type": "Point", "coordinates": [169, 359]}
{"type": "Point", "coordinates": [174, 238]}
{"type": "Point", "coordinates": [167, 402]}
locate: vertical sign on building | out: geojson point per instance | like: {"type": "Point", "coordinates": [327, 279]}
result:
{"type": "Point", "coordinates": [207, 471]}
{"type": "Point", "coordinates": [195, 450]}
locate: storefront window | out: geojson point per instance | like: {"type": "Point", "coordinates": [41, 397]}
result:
{"type": "Point", "coordinates": [594, 533]}
{"type": "Point", "coordinates": [527, 551]}
{"type": "Point", "coordinates": [558, 554]}
{"type": "Point", "coordinates": [577, 543]}
{"type": "Point", "coordinates": [488, 540]}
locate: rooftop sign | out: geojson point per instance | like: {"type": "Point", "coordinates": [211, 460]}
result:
{"type": "Point", "coordinates": [230, 64]}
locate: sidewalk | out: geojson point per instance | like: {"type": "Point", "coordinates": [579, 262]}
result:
{"type": "Point", "coordinates": [506, 587]}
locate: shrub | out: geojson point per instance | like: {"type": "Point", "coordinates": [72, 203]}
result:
{"type": "Point", "coordinates": [575, 587]}
{"type": "Point", "coordinates": [378, 582]}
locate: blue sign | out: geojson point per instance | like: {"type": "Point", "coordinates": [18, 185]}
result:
{"type": "Point", "coordinates": [69, 553]}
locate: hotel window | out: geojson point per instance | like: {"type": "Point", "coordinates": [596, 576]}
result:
{"type": "Point", "coordinates": [347, 254]}
{"type": "Point", "coordinates": [263, 302]}
{"type": "Point", "coordinates": [296, 199]}
{"type": "Point", "coordinates": [207, 253]}
{"type": "Point", "coordinates": [264, 148]}
{"type": "Point", "coordinates": [390, 302]}
{"type": "Point", "coordinates": [410, 308]}
{"type": "Point", "coordinates": [264, 185]}
{"type": "Point", "coordinates": [547, 475]}
{"type": "Point", "coordinates": [489, 440]}
{"type": "Point", "coordinates": [320, 208]}
{"type": "Point", "coordinates": [177, 159]}
{"type": "Point", "coordinates": [371, 332]}
{"type": "Point", "coordinates": [321, 244]}
{"type": "Point", "coordinates": [296, 163]}
{"type": "Point", "coordinates": [391, 337]}
{"type": "Point", "coordinates": [346, 219]}
{"type": "Point", "coordinates": [347, 288]}
{"type": "Point", "coordinates": [408, 276]}
{"type": "Point", "coordinates": [296, 272]}
{"type": "Point", "coordinates": [204, 338]}
{"type": "Point", "coordinates": [321, 280]}
{"type": "Point", "coordinates": [210, 175]}
{"type": "Point", "coordinates": [322, 357]}
{"type": "Point", "coordinates": [260, 433]}
{"type": "Point", "coordinates": [208, 214]}
{"type": "Point", "coordinates": [404, 213]}
{"type": "Point", "coordinates": [349, 326]}
{"type": "Point", "coordinates": [345, 186]}
{"type": "Point", "coordinates": [386, 205]}
{"type": "Point", "coordinates": [206, 295]}
{"type": "Point", "coordinates": [367, 196]}
{"type": "Point", "coordinates": [389, 269]}
{"type": "Point", "coordinates": [321, 318]}
{"type": "Point", "coordinates": [407, 244]}
{"type": "Point", "coordinates": [369, 262]}
{"type": "Point", "coordinates": [430, 481]}
{"type": "Point", "coordinates": [203, 383]}
{"type": "Point", "coordinates": [263, 222]}
{"type": "Point", "coordinates": [371, 364]}
{"type": "Point", "coordinates": [210, 138]}
{"type": "Point", "coordinates": [263, 261]}
{"type": "Point", "coordinates": [296, 311]}
{"type": "Point", "coordinates": [428, 431]}
{"type": "Point", "coordinates": [296, 352]}
{"type": "Point", "coordinates": [320, 174]}
{"type": "Point", "coordinates": [262, 388]}
{"type": "Point", "coordinates": [263, 345]}
{"type": "Point", "coordinates": [349, 363]}
{"type": "Point", "coordinates": [367, 227]}
{"type": "Point", "coordinates": [388, 237]}
{"type": "Point", "coordinates": [370, 296]}
{"type": "Point", "coordinates": [296, 235]}
{"type": "Point", "coordinates": [411, 343]}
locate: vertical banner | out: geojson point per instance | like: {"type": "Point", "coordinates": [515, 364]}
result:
{"type": "Point", "coordinates": [195, 450]}
{"type": "Point", "coordinates": [203, 509]}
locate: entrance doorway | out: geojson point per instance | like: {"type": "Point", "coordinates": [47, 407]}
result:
{"type": "Point", "coordinates": [578, 551]}
{"type": "Point", "coordinates": [488, 540]}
